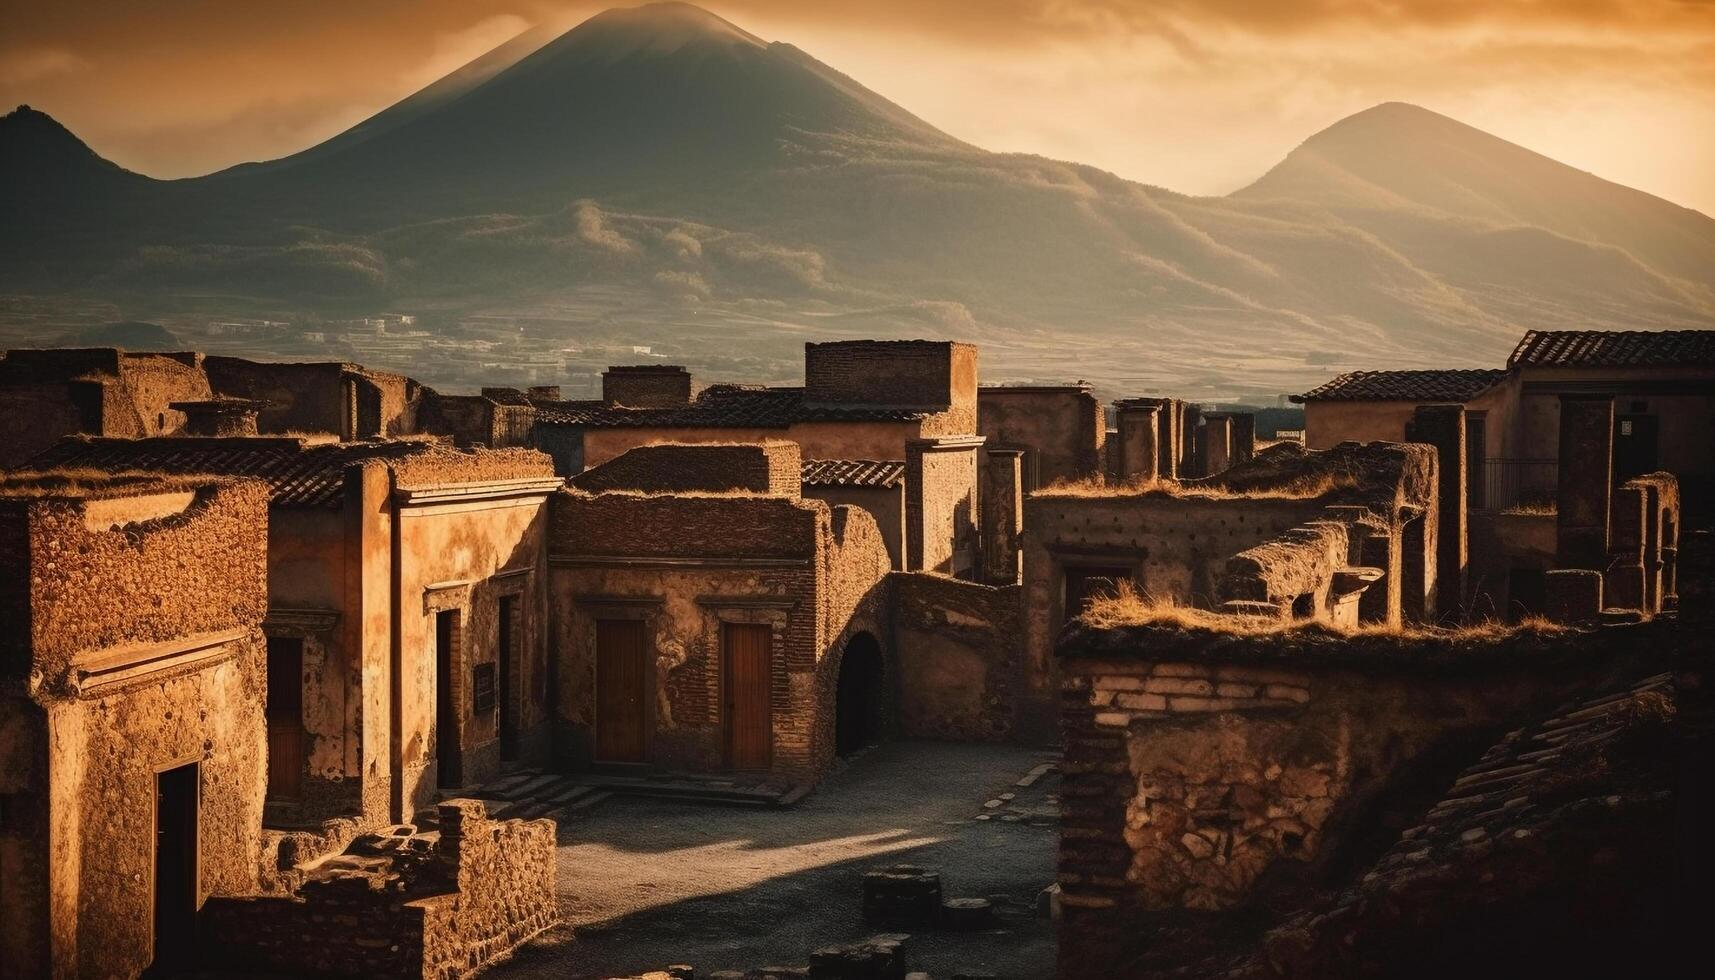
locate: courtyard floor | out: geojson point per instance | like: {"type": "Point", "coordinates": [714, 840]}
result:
{"type": "Point", "coordinates": [644, 883]}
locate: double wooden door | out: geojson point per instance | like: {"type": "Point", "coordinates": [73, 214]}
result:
{"type": "Point", "coordinates": [748, 670]}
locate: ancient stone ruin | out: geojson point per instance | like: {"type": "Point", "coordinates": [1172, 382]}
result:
{"type": "Point", "coordinates": [302, 662]}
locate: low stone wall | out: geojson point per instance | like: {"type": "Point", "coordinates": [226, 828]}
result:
{"type": "Point", "coordinates": [959, 651]}
{"type": "Point", "coordinates": [1200, 764]}
{"type": "Point", "coordinates": [401, 905]}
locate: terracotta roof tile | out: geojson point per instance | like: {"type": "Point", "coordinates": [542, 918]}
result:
{"type": "Point", "coordinates": [298, 473]}
{"type": "Point", "coordinates": [1614, 348]}
{"type": "Point", "coordinates": [1452, 385]}
{"type": "Point", "coordinates": [721, 407]}
{"type": "Point", "coordinates": [854, 472]}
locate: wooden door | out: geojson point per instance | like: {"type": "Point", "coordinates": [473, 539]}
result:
{"type": "Point", "coordinates": [749, 712]}
{"type": "Point", "coordinates": [621, 683]}
{"type": "Point", "coordinates": [508, 700]}
{"type": "Point", "coordinates": [1476, 457]}
{"type": "Point", "coordinates": [285, 710]}
{"type": "Point", "coordinates": [449, 759]}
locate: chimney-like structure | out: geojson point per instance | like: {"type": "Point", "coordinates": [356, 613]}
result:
{"type": "Point", "coordinates": [220, 416]}
{"type": "Point", "coordinates": [646, 386]}
{"type": "Point", "coordinates": [546, 393]}
{"type": "Point", "coordinates": [1139, 434]}
{"type": "Point", "coordinates": [1217, 448]}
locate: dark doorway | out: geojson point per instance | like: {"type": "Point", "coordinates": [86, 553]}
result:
{"type": "Point", "coordinates": [1476, 451]}
{"type": "Point", "coordinates": [620, 682]}
{"type": "Point", "coordinates": [285, 718]}
{"type": "Point", "coordinates": [448, 760]}
{"type": "Point", "coordinates": [1637, 442]}
{"type": "Point", "coordinates": [749, 673]}
{"type": "Point", "coordinates": [504, 649]}
{"type": "Point", "coordinates": [860, 696]}
{"type": "Point", "coordinates": [1086, 582]}
{"type": "Point", "coordinates": [1527, 591]}
{"type": "Point", "coordinates": [175, 866]}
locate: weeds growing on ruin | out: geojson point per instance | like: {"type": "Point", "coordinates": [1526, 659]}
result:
{"type": "Point", "coordinates": [1304, 488]}
{"type": "Point", "coordinates": [1126, 606]}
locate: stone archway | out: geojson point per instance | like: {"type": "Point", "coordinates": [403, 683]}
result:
{"type": "Point", "coordinates": [860, 696]}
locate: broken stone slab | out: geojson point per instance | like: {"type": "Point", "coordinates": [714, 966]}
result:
{"type": "Point", "coordinates": [967, 913]}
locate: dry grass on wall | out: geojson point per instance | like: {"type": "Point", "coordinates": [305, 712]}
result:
{"type": "Point", "coordinates": [1097, 487]}
{"type": "Point", "coordinates": [1129, 607]}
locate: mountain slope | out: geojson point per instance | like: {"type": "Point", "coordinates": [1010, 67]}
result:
{"type": "Point", "coordinates": [1355, 168]}
{"type": "Point", "coordinates": [660, 160]}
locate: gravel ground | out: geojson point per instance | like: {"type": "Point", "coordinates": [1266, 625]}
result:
{"type": "Point", "coordinates": [644, 883]}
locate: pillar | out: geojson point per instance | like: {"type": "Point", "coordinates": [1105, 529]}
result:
{"type": "Point", "coordinates": [1003, 516]}
{"type": "Point", "coordinates": [1443, 427]}
{"type": "Point", "coordinates": [1586, 480]}
{"type": "Point", "coordinates": [1167, 467]}
{"type": "Point", "coordinates": [1623, 584]}
{"type": "Point", "coordinates": [1139, 430]}
{"type": "Point", "coordinates": [1244, 437]}
{"type": "Point", "coordinates": [1190, 464]}
{"type": "Point", "coordinates": [1217, 452]}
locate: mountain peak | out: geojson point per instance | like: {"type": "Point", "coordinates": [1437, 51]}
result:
{"type": "Point", "coordinates": [662, 28]}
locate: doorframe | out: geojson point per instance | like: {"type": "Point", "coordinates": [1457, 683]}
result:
{"type": "Point", "coordinates": [646, 609]}
{"type": "Point", "coordinates": [198, 894]}
{"type": "Point", "coordinates": [775, 613]}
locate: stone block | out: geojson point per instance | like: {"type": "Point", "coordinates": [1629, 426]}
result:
{"type": "Point", "coordinates": [1573, 595]}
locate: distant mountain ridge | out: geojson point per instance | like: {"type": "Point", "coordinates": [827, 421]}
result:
{"type": "Point", "coordinates": [663, 159]}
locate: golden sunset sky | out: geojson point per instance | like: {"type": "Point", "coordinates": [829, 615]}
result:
{"type": "Point", "coordinates": [1199, 96]}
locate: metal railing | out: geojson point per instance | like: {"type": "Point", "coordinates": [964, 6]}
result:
{"type": "Point", "coordinates": [1515, 484]}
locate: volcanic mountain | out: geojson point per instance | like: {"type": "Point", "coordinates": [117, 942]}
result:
{"type": "Point", "coordinates": [662, 159]}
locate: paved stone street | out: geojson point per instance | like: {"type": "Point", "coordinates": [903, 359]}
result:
{"type": "Point", "coordinates": [647, 883]}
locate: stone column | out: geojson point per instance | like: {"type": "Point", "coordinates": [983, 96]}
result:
{"type": "Point", "coordinates": [1443, 426]}
{"type": "Point", "coordinates": [1003, 515]}
{"type": "Point", "coordinates": [1217, 443]}
{"type": "Point", "coordinates": [1623, 584]}
{"type": "Point", "coordinates": [1586, 480]}
{"type": "Point", "coordinates": [1244, 437]}
{"type": "Point", "coordinates": [1167, 468]}
{"type": "Point", "coordinates": [1139, 429]}
{"type": "Point", "coordinates": [940, 504]}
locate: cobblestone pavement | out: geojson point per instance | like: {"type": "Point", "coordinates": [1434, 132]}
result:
{"type": "Point", "coordinates": [647, 883]}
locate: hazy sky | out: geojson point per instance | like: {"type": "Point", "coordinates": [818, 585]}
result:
{"type": "Point", "coordinates": [1199, 96]}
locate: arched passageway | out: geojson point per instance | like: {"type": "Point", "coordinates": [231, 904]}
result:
{"type": "Point", "coordinates": [860, 697]}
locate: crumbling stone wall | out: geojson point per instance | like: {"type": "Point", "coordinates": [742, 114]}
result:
{"type": "Point", "coordinates": [406, 906]}
{"type": "Point", "coordinates": [1061, 429]}
{"type": "Point", "coordinates": [1200, 763]}
{"type": "Point", "coordinates": [766, 468]}
{"type": "Point", "coordinates": [329, 396]}
{"type": "Point", "coordinates": [959, 650]}
{"type": "Point", "coordinates": [141, 651]}
{"type": "Point", "coordinates": [48, 394]}
{"type": "Point", "coordinates": [476, 420]}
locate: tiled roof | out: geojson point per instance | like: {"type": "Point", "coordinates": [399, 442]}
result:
{"type": "Point", "coordinates": [1614, 348]}
{"type": "Point", "coordinates": [721, 407]}
{"type": "Point", "coordinates": [1452, 385]}
{"type": "Point", "coordinates": [299, 474]}
{"type": "Point", "coordinates": [854, 472]}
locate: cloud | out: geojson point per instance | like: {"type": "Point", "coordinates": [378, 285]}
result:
{"type": "Point", "coordinates": [21, 67]}
{"type": "Point", "coordinates": [452, 50]}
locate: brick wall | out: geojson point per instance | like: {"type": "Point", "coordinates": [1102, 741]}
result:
{"type": "Point", "coordinates": [620, 524]}
{"type": "Point", "coordinates": [766, 468]}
